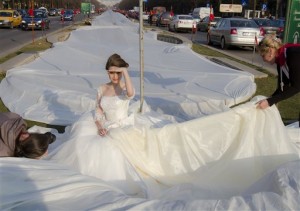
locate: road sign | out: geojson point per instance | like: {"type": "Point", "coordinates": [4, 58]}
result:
{"type": "Point", "coordinates": [264, 7]}
{"type": "Point", "coordinates": [292, 24]}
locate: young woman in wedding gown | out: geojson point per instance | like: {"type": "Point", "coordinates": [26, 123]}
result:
{"type": "Point", "coordinates": [89, 148]}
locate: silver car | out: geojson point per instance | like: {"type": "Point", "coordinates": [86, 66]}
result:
{"type": "Point", "coordinates": [235, 32]}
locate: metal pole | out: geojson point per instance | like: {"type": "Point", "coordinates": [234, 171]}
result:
{"type": "Point", "coordinates": [254, 8]}
{"type": "Point", "coordinates": [141, 42]}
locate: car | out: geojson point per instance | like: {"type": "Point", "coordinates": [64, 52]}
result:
{"type": "Point", "coordinates": [164, 19]}
{"type": "Point", "coordinates": [44, 9]}
{"type": "Point", "coordinates": [270, 26]}
{"type": "Point", "coordinates": [53, 12]}
{"type": "Point", "coordinates": [39, 20]}
{"type": "Point", "coordinates": [145, 16]}
{"type": "Point", "coordinates": [182, 23]}
{"type": "Point", "coordinates": [205, 24]}
{"type": "Point", "coordinates": [235, 32]}
{"type": "Point", "coordinates": [68, 15]}
{"type": "Point", "coordinates": [279, 23]}
{"type": "Point", "coordinates": [22, 12]}
{"type": "Point", "coordinates": [152, 19]}
{"type": "Point", "coordinates": [196, 18]}
{"type": "Point", "coordinates": [10, 18]}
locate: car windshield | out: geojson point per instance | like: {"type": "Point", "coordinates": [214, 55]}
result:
{"type": "Point", "coordinates": [185, 17]}
{"type": "Point", "coordinates": [5, 14]}
{"type": "Point", "coordinates": [68, 12]}
{"type": "Point", "coordinates": [243, 23]}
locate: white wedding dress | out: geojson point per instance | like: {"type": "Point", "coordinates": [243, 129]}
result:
{"type": "Point", "coordinates": [221, 154]}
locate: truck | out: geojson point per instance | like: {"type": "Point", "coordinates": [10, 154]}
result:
{"type": "Point", "coordinates": [202, 12]}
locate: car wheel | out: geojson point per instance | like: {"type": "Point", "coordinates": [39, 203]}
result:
{"type": "Point", "coordinates": [223, 43]}
{"type": "Point", "coordinates": [209, 42]}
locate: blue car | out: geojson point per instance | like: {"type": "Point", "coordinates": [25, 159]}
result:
{"type": "Point", "coordinates": [39, 20]}
{"type": "Point", "coordinates": [68, 15]}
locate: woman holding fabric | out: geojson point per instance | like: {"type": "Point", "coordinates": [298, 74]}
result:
{"type": "Point", "coordinates": [287, 59]}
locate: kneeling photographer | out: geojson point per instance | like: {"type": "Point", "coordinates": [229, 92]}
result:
{"type": "Point", "coordinates": [16, 141]}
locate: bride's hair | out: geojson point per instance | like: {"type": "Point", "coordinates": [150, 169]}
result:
{"type": "Point", "coordinates": [115, 60]}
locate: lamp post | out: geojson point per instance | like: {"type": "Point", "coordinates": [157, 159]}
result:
{"type": "Point", "coordinates": [141, 43]}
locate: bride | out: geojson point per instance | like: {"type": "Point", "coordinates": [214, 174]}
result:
{"type": "Point", "coordinates": [222, 154]}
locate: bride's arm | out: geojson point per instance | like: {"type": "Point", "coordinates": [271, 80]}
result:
{"type": "Point", "coordinates": [128, 83]}
{"type": "Point", "coordinates": [99, 115]}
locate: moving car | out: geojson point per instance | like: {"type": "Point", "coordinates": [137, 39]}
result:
{"type": "Point", "coordinates": [10, 18]}
{"type": "Point", "coordinates": [205, 23]}
{"type": "Point", "coordinates": [39, 20]}
{"type": "Point", "coordinates": [68, 15]}
{"type": "Point", "coordinates": [182, 23]}
{"type": "Point", "coordinates": [235, 32]}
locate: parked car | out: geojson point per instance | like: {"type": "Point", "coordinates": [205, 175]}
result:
{"type": "Point", "coordinates": [182, 23]}
{"type": "Point", "coordinates": [270, 26]}
{"type": "Point", "coordinates": [153, 18]}
{"type": "Point", "coordinates": [10, 18]}
{"type": "Point", "coordinates": [53, 12]}
{"type": "Point", "coordinates": [235, 32]}
{"type": "Point", "coordinates": [279, 23]}
{"type": "Point", "coordinates": [196, 18]}
{"type": "Point", "coordinates": [68, 15]}
{"type": "Point", "coordinates": [39, 20]}
{"type": "Point", "coordinates": [164, 19]}
{"type": "Point", "coordinates": [205, 24]}
{"type": "Point", "coordinates": [145, 16]}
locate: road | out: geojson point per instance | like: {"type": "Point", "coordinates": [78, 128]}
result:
{"type": "Point", "coordinates": [13, 39]}
{"type": "Point", "coordinates": [243, 54]}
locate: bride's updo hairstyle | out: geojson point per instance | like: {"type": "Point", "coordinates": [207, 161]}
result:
{"type": "Point", "coordinates": [115, 60]}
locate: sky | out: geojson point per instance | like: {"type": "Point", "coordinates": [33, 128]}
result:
{"type": "Point", "coordinates": [109, 2]}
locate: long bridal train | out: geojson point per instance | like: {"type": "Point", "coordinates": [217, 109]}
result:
{"type": "Point", "coordinates": [223, 153]}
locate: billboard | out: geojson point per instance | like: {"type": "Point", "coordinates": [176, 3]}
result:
{"type": "Point", "coordinates": [234, 8]}
{"type": "Point", "coordinates": [292, 24]}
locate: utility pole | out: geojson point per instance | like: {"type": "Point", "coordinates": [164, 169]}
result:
{"type": "Point", "coordinates": [254, 8]}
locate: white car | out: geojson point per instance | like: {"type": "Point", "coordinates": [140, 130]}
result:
{"type": "Point", "coordinates": [182, 23]}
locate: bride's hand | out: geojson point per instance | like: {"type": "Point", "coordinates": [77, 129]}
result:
{"type": "Point", "coordinates": [102, 131]}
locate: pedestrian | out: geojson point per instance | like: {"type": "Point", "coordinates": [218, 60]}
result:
{"type": "Point", "coordinates": [16, 141]}
{"type": "Point", "coordinates": [287, 59]}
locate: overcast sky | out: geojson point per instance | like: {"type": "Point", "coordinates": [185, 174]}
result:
{"type": "Point", "coordinates": [109, 2]}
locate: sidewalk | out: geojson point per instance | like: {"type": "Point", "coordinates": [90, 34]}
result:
{"type": "Point", "coordinates": [61, 36]}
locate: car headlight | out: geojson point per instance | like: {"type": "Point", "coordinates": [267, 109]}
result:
{"type": "Point", "coordinates": [6, 21]}
{"type": "Point", "coordinates": [39, 22]}
{"type": "Point", "coordinates": [23, 21]}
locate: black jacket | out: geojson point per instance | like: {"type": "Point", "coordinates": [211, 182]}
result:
{"type": "Point", "coordinates": [291, 84]}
